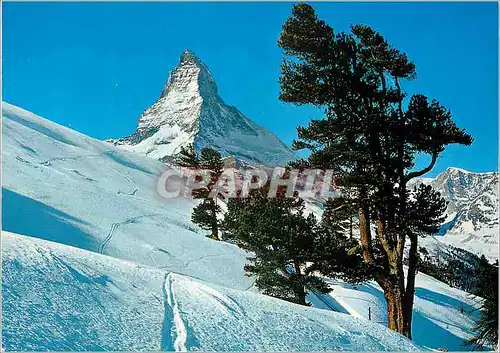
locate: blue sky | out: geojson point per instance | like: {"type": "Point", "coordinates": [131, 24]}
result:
{"type": "Point", "coordinates": [96, 66]}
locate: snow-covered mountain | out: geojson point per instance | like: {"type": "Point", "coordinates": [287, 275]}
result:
{"type": "Point", "coordinates": [472, 213]}
{"type": "Point", "coordinates": [93, 259]}
{"type": "Point", "coordinates": [190, 111]}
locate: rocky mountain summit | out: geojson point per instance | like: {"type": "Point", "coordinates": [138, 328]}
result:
{"type": "Point", "coordinates": [472, 213]}
{"type": "Point", "coordinates": [189, 110]}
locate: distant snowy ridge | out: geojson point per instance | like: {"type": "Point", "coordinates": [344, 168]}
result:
{"type": "Point", "coordinates": [472, 213]}
{"type": "Point", "coordinates": [190, 111]}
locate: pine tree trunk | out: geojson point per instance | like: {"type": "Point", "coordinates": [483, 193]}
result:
{"type": "Point", "coordinates": [392, 281]}
{"type": "Point", "coordinates": [299, 289]}
{"type": "Point", "coordinates": [394, 299]}
{"type": "Point", "coordinates": [301, 294]}
{"type": "Point", "coordinates": [410, 286]}
{"type": "Point", "coordinates": [215, 230]}
{"type": "Point", "coordinates": [365, 235]}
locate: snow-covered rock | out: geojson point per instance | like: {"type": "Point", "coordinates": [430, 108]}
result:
{"type": "Point", "coordinates": [190, 111]}
{"type": "Point", "coordinates": [472, 213]}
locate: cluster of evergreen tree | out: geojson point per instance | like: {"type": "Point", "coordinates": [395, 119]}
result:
{"type": "Point", "coordinates": [456, 267]}
{"type": "Point", "coordinates": [291, 250]}
{"type": "Point", "coordinates": [206, 213]}
{"type": "Point", "coordinates": [369, 136]}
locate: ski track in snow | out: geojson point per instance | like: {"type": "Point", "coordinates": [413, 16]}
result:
{"type": "Point", "coordinates": [104, 153]}
{"type": "Point", "coordinates": [106, 240]}
{"type": "Point", "coordinates": [134, 185]}
{"type": "Point", "coordinates": [177, 335]}
{"type": "Point", "coordinates": [190, 262]}
{"type": "Point", "coordinates": [228, 303]}
{"type": "Point", "coordinates": [73, 158]}
{"type": "Point", "coordinates": [114, 226]}
{"type": "Point", "coordinates": [135, 191]}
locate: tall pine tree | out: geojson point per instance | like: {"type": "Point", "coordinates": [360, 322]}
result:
{"type": "Point", "coordinates": [369, 136]}
{"type": "Point", "coordinates": [205, 214]}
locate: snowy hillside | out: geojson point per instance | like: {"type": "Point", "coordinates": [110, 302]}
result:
{"type": "Point", "coordinates": [77, 192]}
{"type": "Point", "coordinates": [88, 194]}
{"type": "Point", "coordinates": [56, 297]}
{"type": "Point", "coordinates": [190, 110]}
{"type": "Point", "coordinates": [442, 316]}
{"type": "Point", "coordinates": [472, 213]}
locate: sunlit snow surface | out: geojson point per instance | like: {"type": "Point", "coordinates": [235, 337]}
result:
{"type": "Point", "coordinates": [76, 192]}
{"type": "Point", "coordinates": [57, 297]}
{"type": "Point", "coordinates": [442, 316]}
{"type": "Point", "coordinates": [62, 186]}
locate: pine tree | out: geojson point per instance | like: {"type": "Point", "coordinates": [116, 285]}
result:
{"type": "Point", "coordinates": [291, 250]}
{"type": "Point", "coordinates": [484, 273]}
{"type": "Point", "coordinates": [487, 287]}
{"type": "Point", "coordinates": [340, 254]}
{"type": "Point", "coordinates": [339, 214]}
{"type": "Point", "coordinates": [205, 214]}
{"type": "Point", "coordinates": [187, 158]}
{"type": "Point", "coordinates": [287, 244]}
{"type": "Point", "coordinates": [369, 137]}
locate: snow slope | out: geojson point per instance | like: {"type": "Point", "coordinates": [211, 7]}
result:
{"type": "Point", "coordinates": [442, 316]}
{"type": "Point", "coordinates": [56, 297]}
{"type": "Point", "coordinates": [77, 192]}
{"type": "Point", "coordinates": [88, 194]}
{"type": "Point", "coordinates": [190, 111]}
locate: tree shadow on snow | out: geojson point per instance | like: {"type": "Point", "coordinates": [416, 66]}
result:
{"type": "Point", "coordinates": [433, 331]}
{"type": "Point", "coordinates": [427, 333]}
{"type": "Point", "coordinates": [23, 215]}
{"type": "Point", "coordinates": [443, 300]}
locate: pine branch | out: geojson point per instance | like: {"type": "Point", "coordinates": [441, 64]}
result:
{"type": "Point", "coordinates": [427, 169]}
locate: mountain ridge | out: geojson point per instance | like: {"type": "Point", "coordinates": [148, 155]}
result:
{"type": "Point", "coordinates": [190, 111]}
{"type": "Point", "coordinates": [472, 213]}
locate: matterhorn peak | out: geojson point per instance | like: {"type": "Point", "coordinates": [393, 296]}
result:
{"type": "Point", "coordinates": [190, 111]}
{"type": "Point", "coordinates": [188, 56]}
{"type": "Point", "coordinates": [192, 75]}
